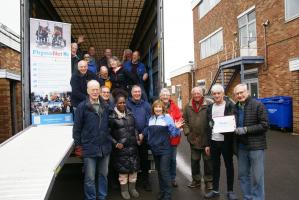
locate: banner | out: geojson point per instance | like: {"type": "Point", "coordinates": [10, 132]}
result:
{"type": "Point", "coordinates": [50, 72]}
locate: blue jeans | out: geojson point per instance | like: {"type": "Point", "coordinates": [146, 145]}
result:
{"type": "Point", "coordinates": [95, 167]}
{"type": "Point", "coordinates": [251, 174]}
{"type": "Point", "coordinates": [162, 163]}
{"type": "Point", "coordinates": [173, 162]}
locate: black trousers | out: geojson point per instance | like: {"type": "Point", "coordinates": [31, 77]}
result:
{"type": "Point", "coordinates": [144, 162]}
{"type": "Point", "coordinates": [225, 149]}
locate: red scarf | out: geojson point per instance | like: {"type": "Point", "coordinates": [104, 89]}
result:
{"type": "Point", "coordinates": [194, 105]}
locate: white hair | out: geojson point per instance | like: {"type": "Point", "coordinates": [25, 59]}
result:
{"type": "Point", "coordinates": [164, 91]}
{"type": "Point", "coordinates": [197, 88]}
{"type": "Point", "coordinates": [82, 62]}
{"type": "Point", "coordinates": [93, 83]}
{"type": "Point", "coordinates": [74, 45]}
{"type": "Point", "coordinates": [241, 85]}
{"type": "Point", "coordinates": [217, 88]}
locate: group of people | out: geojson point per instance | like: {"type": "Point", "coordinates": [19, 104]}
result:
{"type": "Point", "coordinates": [122, 132]}
{"type": "Point", "coordinates": [114, 123]}
{"type": "Point", "coordinates": [247, 141]}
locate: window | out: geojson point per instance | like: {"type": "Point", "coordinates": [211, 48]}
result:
{"type": "Point", "coordinates": [206, 6]}
{"type": "Point", "coordinates": [291, 9]}
{"type": "Point", "coordinates": [247, 32]}
{"type": "Point", "coordinates": [251, 80]}
{"type": "Point", "coordinates": [212, 44]}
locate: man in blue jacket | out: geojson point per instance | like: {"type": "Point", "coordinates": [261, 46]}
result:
{"type": "Point", "coordinates": [93, 142]}
{"type": "Point", "coordinates": [138, 70]}
{"type": "Point", "coordinates": [142, 112]}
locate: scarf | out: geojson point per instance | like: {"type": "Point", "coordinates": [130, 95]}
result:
{"type": "Point", "coordinates": [119, 114]}
{"type": "Point", "coordinates": [194, 104]}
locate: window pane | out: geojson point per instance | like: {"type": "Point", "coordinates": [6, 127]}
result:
{"type": "Point", "coordinates": [292, 8]}
{"type": "Point", "coordinates": [251, 16]}
{"type": "Point", "coordinates": [211, 45]}
{"type": "Point", "coordinates": [243, 37]}
{"type": "Point", "coordinates": [254, 90]}
{"type": "Point", "coordinates": [252, 32]}
{"type": "Point", "coordinates": [250, 75]}
{"type": "Point", "coordinates": [242, 21]}
{"type": "Point", "coordinates": [206, 6]}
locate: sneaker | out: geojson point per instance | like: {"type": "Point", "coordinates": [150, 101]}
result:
{"type": "Point", "coordinates": [231, 195]}
{"type": "Point", "coordinates": [194, 184]}
{"type": "Point", "coordinates": [212, 194]}
{"type": "Point", "coordinates": [174, 183]}
{"type": "Point", "coordinates": [209, 185]}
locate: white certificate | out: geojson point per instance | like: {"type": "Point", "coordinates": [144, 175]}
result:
{"type": "Point", "coordinates": [224, 124]}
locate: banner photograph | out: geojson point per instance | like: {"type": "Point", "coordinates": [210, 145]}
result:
{"type": "Point", "coordinates": [50, 72]}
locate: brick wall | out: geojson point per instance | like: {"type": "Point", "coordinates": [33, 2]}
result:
{"type": "Point", "coordinates": [9, 60]}
{"type": "Point", "coordinates": [282, 44]}
{"type": "Point", "coordinates": [5, 110]}
{"type": "Point", "coordinates": [185, 81]}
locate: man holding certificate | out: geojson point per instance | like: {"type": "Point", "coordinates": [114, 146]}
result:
{"type": "Point", "coordinates": [252, 124]}
{"type": "Point", "coordinates": [222, 124]}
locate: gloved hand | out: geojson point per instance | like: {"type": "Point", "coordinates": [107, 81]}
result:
{"type": "Point", "coordinates": [241, 131]}
{"type": "Point", "coordinates": [78, 151]}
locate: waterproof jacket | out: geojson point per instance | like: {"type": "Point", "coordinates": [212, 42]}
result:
{"type": "Point", "coordinates": [123, 131]}
{"type": "Point", "coordinates": [196, 126]}
{"type": "Point", "coordinates": [79, 86]}
{"type": "Point", "coordinates": [141, 70]}
{"type": "Point", "coordinates": [158, 133]}
{"type": "Point", "coordinates": [256, 122]}
{"type": "Point", "coordinates": [174, 111]}
{"type": "Point", "coordinates": [121, 79]}
{"type": "Point", "coordinates": [141, 111]}
{"type": "Point", "coordinates": [91, 131]}
{"type": "Point", "coordinates": [228, 110]}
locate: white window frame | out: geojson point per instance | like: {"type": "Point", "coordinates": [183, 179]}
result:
{"type": "Point", "coordinates": [200, 15]}
{"type": "Point", "coordinates": [207, 38]}
{"type": "Point", "coordinates": [285, 13]}
{"type": "Point", "coordinates": [253, 50]}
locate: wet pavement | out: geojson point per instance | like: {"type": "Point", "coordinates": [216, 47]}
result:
{"type": "Point", "coordinates": [281, 175]}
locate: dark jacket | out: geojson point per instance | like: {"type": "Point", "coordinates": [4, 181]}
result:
{"type": "Point", "coordinates": [74, 62]}
{"type": "Point", "coordinates": [196, 125]}
{"type": "Point", "coordinates": [158, 133]}
{"type": "Point", "coordinates": [256, 122]}
{"type": "Point", "coordinates": [79, 86]}
{"type": "Point", "coordinates": [123, 131]}
{"type": "Point", "coordinates": [91, 131]}
{"type": "Point", "coordinates": [141, 111]}
{"type": "Point", "coordinates": [103, 62]}
{"type": "Point", "coordinates": [228, 110]}
{"type": "Point", "coordinates": [141, 70]}
{"type": "Point", "coordinates": [121, 79]}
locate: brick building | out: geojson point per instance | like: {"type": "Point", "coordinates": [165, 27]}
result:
{"type": "Point", "coordinates": [255, 42]}
{"type": "Point", "coordinates": [10, 83]}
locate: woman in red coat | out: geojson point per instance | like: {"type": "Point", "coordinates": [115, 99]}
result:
{"type": "Point", "coordinates": [176, 115]}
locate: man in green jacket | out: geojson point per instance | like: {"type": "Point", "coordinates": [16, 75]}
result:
{"type": "Point", "coordinates": [196, 130]}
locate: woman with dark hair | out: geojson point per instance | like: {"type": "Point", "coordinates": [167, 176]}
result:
{"type": "Point", "coordinates": [160, 127]}
{"type": "Point", "coordinates": [125, 157]}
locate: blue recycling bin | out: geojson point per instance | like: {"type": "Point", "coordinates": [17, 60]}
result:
{"type": "Point", "coordinates": [280, 111]}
